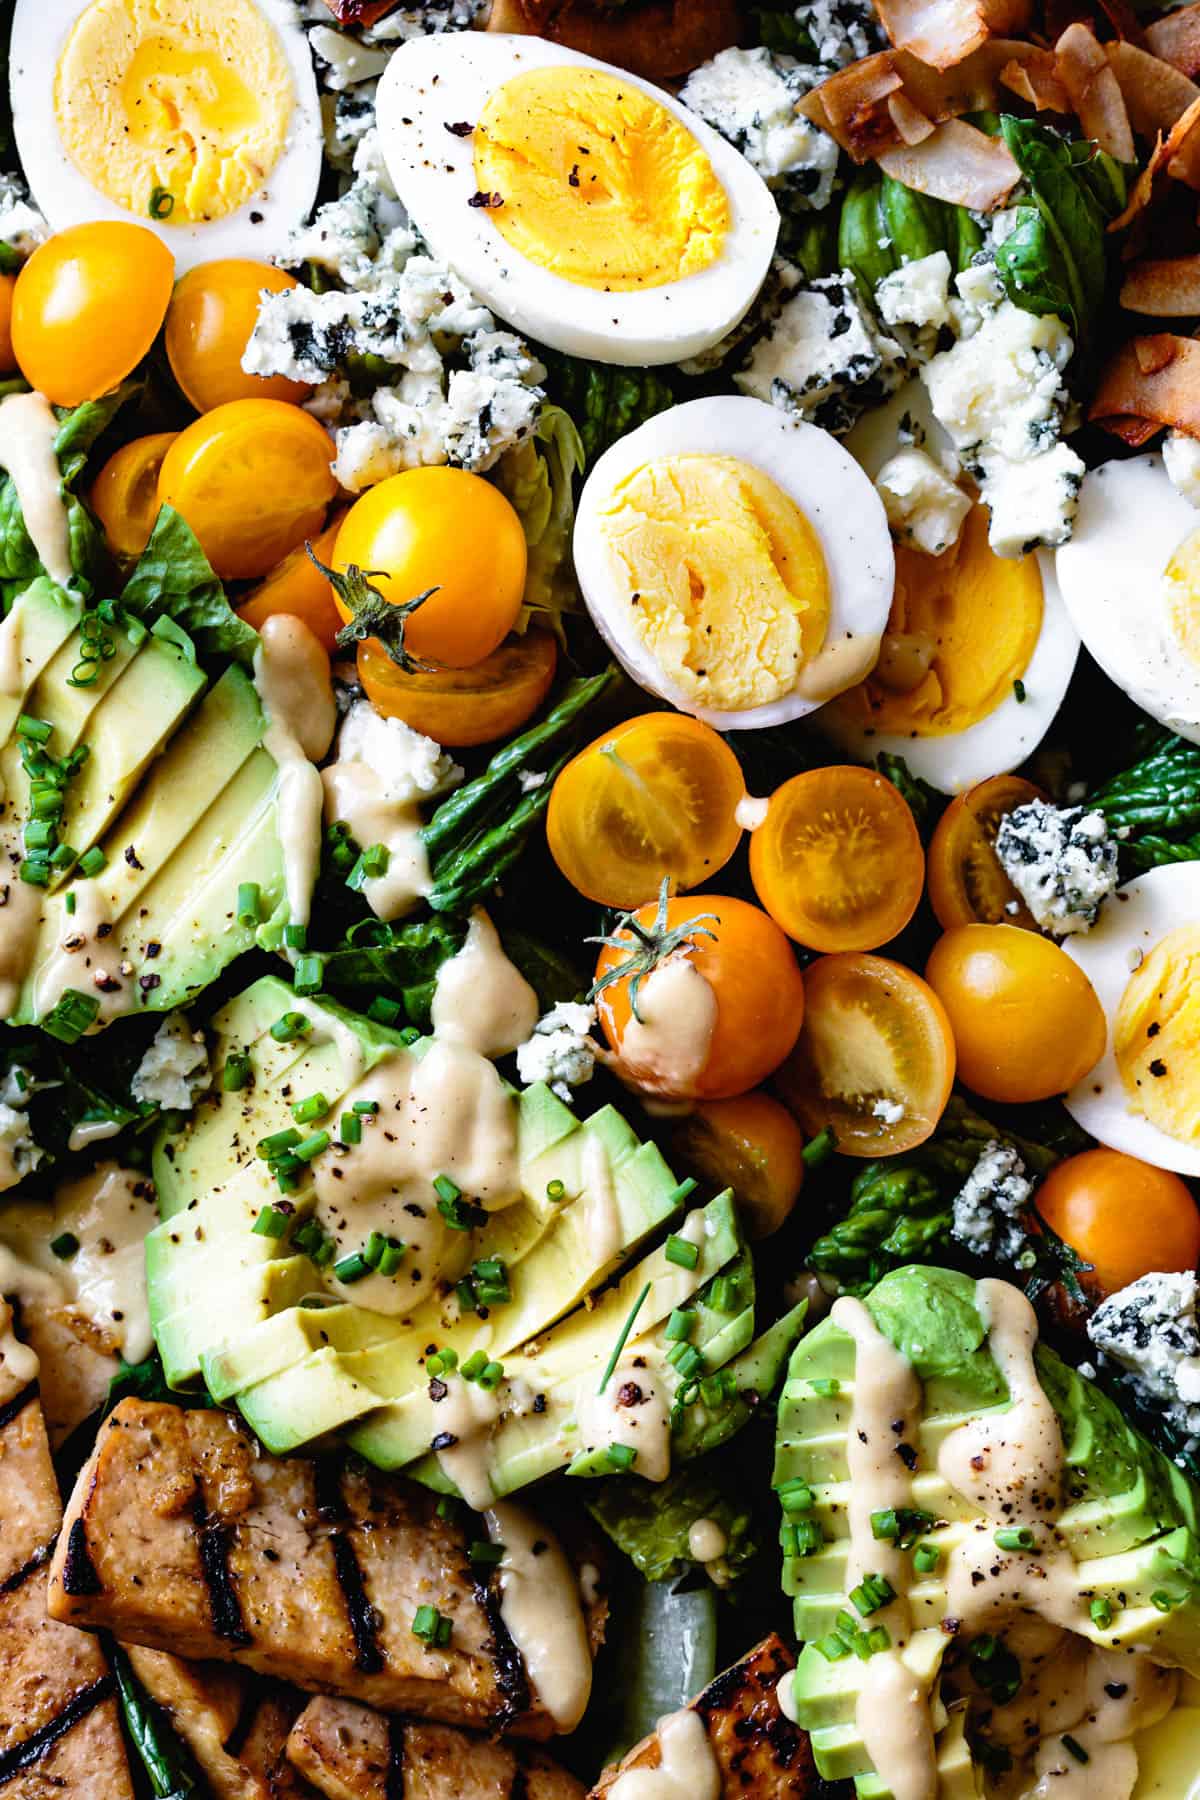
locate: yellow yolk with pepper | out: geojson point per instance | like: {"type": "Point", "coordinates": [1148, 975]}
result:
{"type": "Point", "coordinates": [176, 109]}
{"type": "Point", "coordinates": [1156, 1035]}
{"type": "Point", "coordinates": [722, 576]}
{"type": "Point", "coordinates": [962, 630]}
{"type": "Point", "coordinates": [1182, 586]}
{"type": "Point", "coordinates": [589, 177]}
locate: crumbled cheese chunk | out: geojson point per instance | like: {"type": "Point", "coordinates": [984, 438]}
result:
{"type": "Point", "coordinates": [1181, 460]}
{"type": "Point", "coordinates": [823, 356]}
{"type": "Point", "coordinates": [917, 293]}
{"type": "Point", "coordinates": [425, 20]}
{"type": "Point", "coordinates": [345, 60]}
{"type": "Point", "coordinates": [1061, 861]}
{"type": "Point", "coordinates": [783, 278]}
{"type": "Point", "coordinates": [1029, 503]}
{"type": "Point", "coordinates": [409, 765]}
{"type": "Point", "coordinates": [561, 1051]}
{"type": "Point", "coordinates": [175, 1070]}
{"type": "Point", "coordinates": [750, 96]}
{"type": "Point", "coordinates": [923, 506]}
{"type": "Point", "coordinates": [1149, 1329]}
{"type": "Point", "coordinates": [841, 31]}
{"type": "Point", "coordinates": [889, 1111]}
{"type": "Point", "coordinates": [22, 226]}
{"type": "Point", "coordinates": [988, 1206]}
{"type": "Point", "coordinates": [19, 1154]}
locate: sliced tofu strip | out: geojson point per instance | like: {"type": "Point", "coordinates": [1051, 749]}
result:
{"type": "Point", "coordinates": [235, 1726]}
{"type": "Point", "coordinates": [182, 1535]}
{"type": "Point", "coordinates": [59, 1726]}
{"type": "Point", "coordinates": [760, 1753]}
{"type": "Point", "coordinates": [349, 1752]}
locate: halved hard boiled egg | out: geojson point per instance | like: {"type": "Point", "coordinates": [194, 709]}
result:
{"type": "Point", "coordinates": [198, 119]}
{"type": "Point", "coordinates": [1143, 959]}
{"type": "Point", "coordinates": [1130, 577]}
{"type": "Point", "coordinates": [737, 561]}
{"type": "Point", "coordinates": [587, 208]}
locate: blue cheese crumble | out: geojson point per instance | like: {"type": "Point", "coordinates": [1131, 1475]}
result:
{"type": "Point", "coordinates": [561, 1051]}
{"type": "Point", "coordinates": [988, 1207]}
{"type": "Point", "coordinates": [1062, 862]}
{"type": "Point", "coordinates": [175, 1070]}
{"type": "Point", "coordinates": [750, 96]}
{"type": "Point", "coordinates": [1149, 1330]}
{"type": "Point", "coordinates": [823, 357]}
{"type": "Point", "coordinates": [924, 507]}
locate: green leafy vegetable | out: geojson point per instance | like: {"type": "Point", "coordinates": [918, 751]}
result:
{"type": "Point", "coordinates": [174, 580]}
{"type": "Point", "coordinates": [651, 1522]}
{"type": "Point", "coordinates": [400, 961]}
{"type": "Point", "coordinates": [924, 802]}
{"type": "Point", "coordinates": [883, 224]}
{"type": "Point", "coordinates": [779, 29]}
{"type": "Point", "coordinates": [1155, 805]}
{"type": "Point", "coordinates": [605, 401]}
{"type": "Point", "coordinates": [538, 477]}
{"type": "Point", "coordinates": [159, 1750]}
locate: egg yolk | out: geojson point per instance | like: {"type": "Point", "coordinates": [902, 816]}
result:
{"type": "Point", "coordinates": [1156, 1035]}
{"type": "Point", "coordinates": [1182, 589]}
{"type": "Point", "coordinates": [962, 629]}
{"type": "Point", "coordinates": [175, 109]}
{"type": "Point", "coordinates": [588, 176]}
{"type": "Point", "coordinates": [721, 576]}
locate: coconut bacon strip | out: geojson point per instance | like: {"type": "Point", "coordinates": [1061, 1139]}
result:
{"type": "Point", "coordinates": [1150, 383]}
{"type": "Point", "coordinates": [1155, 94]}
{"type": "Point", "coordinates": [1094, 91]}
{"type": "Point", "coordinates": [1176, 38]}
{"type": "Point", "coordinates": [944, 32]}
{"type": "Point", "coordinates": [957, 163]}
{"type": "Point", "coordinates": [1163, 288]}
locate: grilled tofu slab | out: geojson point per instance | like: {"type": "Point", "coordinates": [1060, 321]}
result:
{"type": "Point", "coordinates": [59, 1727]}
{"type": "Point", "coordinates": [182, 1535]}
{"type": "Point", "coordinates": [349, 1752]}
{"type": "Point", "coordinates": [235, 1726]}
{"type": "Point", "coordinates": [760, 1753]}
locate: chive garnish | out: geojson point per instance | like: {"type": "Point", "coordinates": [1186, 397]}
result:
{"type": "Point", "coordinates": [682, 1252]}
{"type": "Point", "coordinates": [622, 1339]}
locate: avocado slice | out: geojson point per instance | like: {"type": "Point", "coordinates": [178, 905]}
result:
{"type": "Point", "coordinates": [1129, 1518]}
{"type": "Point", "coordinates": [41, 619]}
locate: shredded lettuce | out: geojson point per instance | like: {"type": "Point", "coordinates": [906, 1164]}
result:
{"type": "Point", "coordinates": [650, 1523]}
{"type": "Point", "coordinates": [606, 402]}
{"type": "Point", "coordinates": [174, 581]}
{"type": "Point", "coordinates": [538, 477]}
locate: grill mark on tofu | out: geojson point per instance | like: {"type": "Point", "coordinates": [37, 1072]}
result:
{"type": "Point", "coordinates": [78, 1571]}
{"type": "Point", "coordinates": [213, 1535]}
{"type": "Point", "coordinates": [393, 1788]}
{"type": "Point", "coordinates": [33, 1748]}
{"type": "Point", "coordinates": [511, 1675]}
{"type": "Point", "coordinates": [37, 1561]}
{"type": "Point", "coordinates": [364, 1625]}
{"type": "Point", "coordinates": [12, 1409]}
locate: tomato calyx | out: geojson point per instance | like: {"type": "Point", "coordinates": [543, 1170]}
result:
{"type": "Point", "coordinates": [654, 944]}
{"type": "Point", "coordinates": [372, 616]}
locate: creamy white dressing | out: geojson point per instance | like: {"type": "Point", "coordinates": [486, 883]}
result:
{"type": "Point", "coordinates": [601, 1211]}
{"type": "Point", "coordinates": [667, 1047]}
{"type": "Point", "coordinates": [466, 1415]}
{"type": "Point", "coordinates": [751, 811]}
{"type": "Point", "coordinates": [291, 676]}
{"type": "Point", "coordinates": [632, 1409]}
{"type": "Point", "coordinates": [92, 1131]}
{"type": "Point", "coordinates": [12, 662]}
{"type": "Point", "coordinates": [28, 429]}
{"type": "Point", "coordinates": [480, 999]}
{"type": "Point", "coordinates": [356, 796]}
{"type": "Point", "coordinates": [687, 1768]}
{"type": "Point", "coordinates": [18, 1363]}
{"type": "Point", "coordinates": [707, 1542]}
{"type": "Point", "coordinates": [21, 905]}
{"type": "Point", "coordinates": [540, 1605]}
{"type": "Point", "coordinates": [87, 956]}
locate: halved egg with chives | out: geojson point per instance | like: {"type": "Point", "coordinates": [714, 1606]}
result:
{"type": "Point", "coordinates": [587, 208]}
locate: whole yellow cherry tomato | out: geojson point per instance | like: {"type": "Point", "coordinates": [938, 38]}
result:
{"type": "Point", "coordinates": [252, 479]}
{"type": "Point", "coordinates": [1125, 1217]}
{"type": "Point", "coordinates": [8, 361]}
{"type": "Point", "coordinates": [87, 307]}
{"type": "Point", "coordinates": [209, 323]}
{"type": "Point", "coordinates": [449, 531]}
{"type": "Point", "coordinates": [124, 495]}
{"type": "Point", "coordinates": [459, 707]}
{"type": "Point", "coordinates": [297, 586]}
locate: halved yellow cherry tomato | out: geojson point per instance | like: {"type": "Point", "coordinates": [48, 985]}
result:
{"type": "Point", "coordinates": [1025, 1017]}
{"type": "Point", "coordinates": [753, 974]}
{"type": "Point", "coordinates": [837, 862]}
{"type": "Point", "coordinates": [296, 585]}
{"type": "Point", "coordinates": [751, 1144]}
{"type": "Point", "coordinates": [87, 307]}
{"type": "Point", "coordinates": [656, 796]}
{"type": "Point", "coordinates": [967, 886]}
{"type": "Point", "coordinates": [8, 361]}
{"type": "Point", "coordinates": [460, 707]}
{"type": "Point", "coordinates": [124, 495]}
{"type": "Point", "coordinates": [209, 323]}
{"type": "Point", "coordinates": [1125, 1217]}
{"type": "Point", "coordinates": [875, 1060]}
{"type": "Point", "coordinates": [253, 480]}
{"type": "Point", "coordinates": [446, 530]}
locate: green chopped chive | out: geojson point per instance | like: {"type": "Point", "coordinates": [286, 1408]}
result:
{"type": "Point", "coordinates": [872, 1592]}
{"type": "Point", "coordinates": [368, 1108]}
{"type": "Point", "coordinates": [376, 859]}
{"type": "Point", "coordinates": [36, 731]}
{"type": "Point", "coordinates": [290, 1026]}
{"type": "Point", "coordinates": [46, 802]}
{"type": "Point", "coordinates": [306, 1112]}
{"type": "Point", "coordinates": [1019, 693]}
{"type": "Point", "coordinates": [622, 1338]}
{"type": "Point", "coordinates": [474, 1366]}
{"type": "Point", "coordinates": [819, 1149]}
{"type": "Point", "coordinates": [1015, 1537]}
{"type": "Point", "coordinates": [926, 1559]}
{"type": "Point", "coordinates": [901, 1525]}
{"type": "Point", "coordinates": [447, 1507]}
{"type": "Point", "coordinates": [295, 937]}
{"type": "Point", "coordinates": [833, 1648]}
{"type": "Point", "coordinates": [682, 1252]}
{"type": "Point", "coordinates": [679, 1194]}
{"type": "Point", "coordinates": [40, 834]}
{"type": "Point", "coordinates": [796, 1496]}
{"type": "Point", "coordinates": [459, 1214]}
{"type": "Point", "coordinates": [248, 896]}
{"type": "Point", "coordinates": [885, 1524]}
{"type": "Point", "coordinates": [351, 1268]}
{"type": "Point", "coordinates": [36, 871]}
{"type": "Point", "coordinates": [491, 1375]}
{"type": "Point", "coordinates": [432, 1627]}
{"type": "Point", "coordinates": [64, 1246]}
{"type": "Point", "coordinates": [827, 1386]}
{"type": "Point", "coordinates": [434, 1365]}
{"type": "Point", "coordinates": [350, 1128]}
{"type": "Point", "coordinates": [687, 1360]}
{"type": "Point", "coordinates": [71, 1016]}
{"type": "Point", "coordinates": [680, 1325]}
{"type": "Point", "coordinates": [801, 1537]}
{"type": "Point", "coordinates": [620, 1456]}
{"type": "Point", "coordinates": [445, 1189]}
{"type": "Point", "coordinates": [312, 1146]}
{"type": "Point", "coordinates": [1161, 1601]}
{"type": "Point", "coordinates": [162, 203]}
{"type": "Point", "coordinates": [1101, 1612]}
{"type": "Point", "coordinates": [92, 861]}
{"type": "Point", "coordinates": [308, 1237]}
{"type": "Point", "coordinates": [556, 1190]}
{"type": "Point", "coordinates": [487, 1554]}
{"type": "Point", "coordinates": [449, 1359]}
{"type": "Point", "coordinates": [393, 1256]}
{"type": "Point", "coordinates": [722, 1295]}
{"type": "Point", "coordinates": [374, 1248]}
{"type": "Point", "coordinates": [1072, 1745]}
{"type": "Point", "coordinates": [383, 1011]}
{"type": "Point", "coordinates": [878, 1638]}
{"type": "Point", "coordinates": [278, 1144]}
{"type": "Point", "coordinates": [69, 900]}
{"type": "Point", "coordinates": [271, 1222]}
{"type": "Point", "coordinates": [63, 856]}
{"type": "Point", "coordinates": [308, 976]}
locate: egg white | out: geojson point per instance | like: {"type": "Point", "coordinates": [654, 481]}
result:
{"type": "Point", "coordinates": [812, 468]}
{"type": "Point", "coordinates": [66, 196]}
{"type": "Point", "coordinates": [1130, 522]}
{"type": "Point", "coordinates": [434, 81]}
{"type": "Point", "coordinates": [1136, 918]}
{"type": "Point", "coordinates": [1007, 735]}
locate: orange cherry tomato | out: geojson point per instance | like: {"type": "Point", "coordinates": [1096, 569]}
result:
{"type": "Point", "coordinates": [875, 1060]}
{"type": "Point", "coordinates": [837, 862]}
{"type": "Point", "coordinates": [87, 307]}
{"type": "Point", "coordinates": [751, 1144]}
{"type": "Point", "coordinates": [1025, 1017]}
{"type": "Point", "coordinates": [252, 479]}
{"type": "Point", "coordinates": [967, 886]}
{"type": "Point", "coordinates": [460, 707]}
{"type": "Point", "coordinates": [209, 322]}
{"type": "Point", "coordinates": [8, 361]}
{"type": "Point", "coordinates": [1125, 1217]}
{"type": "Point", "coordinates": [683, 1048]}
{"type": "Point", "coordinates": [449, 531]}
{"type": "Point", "coordinates": [655, 796]}
{"type": "Point", "coordinates": [124, 495]}
{"type": "Point", "coordinates": [297, 586]}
